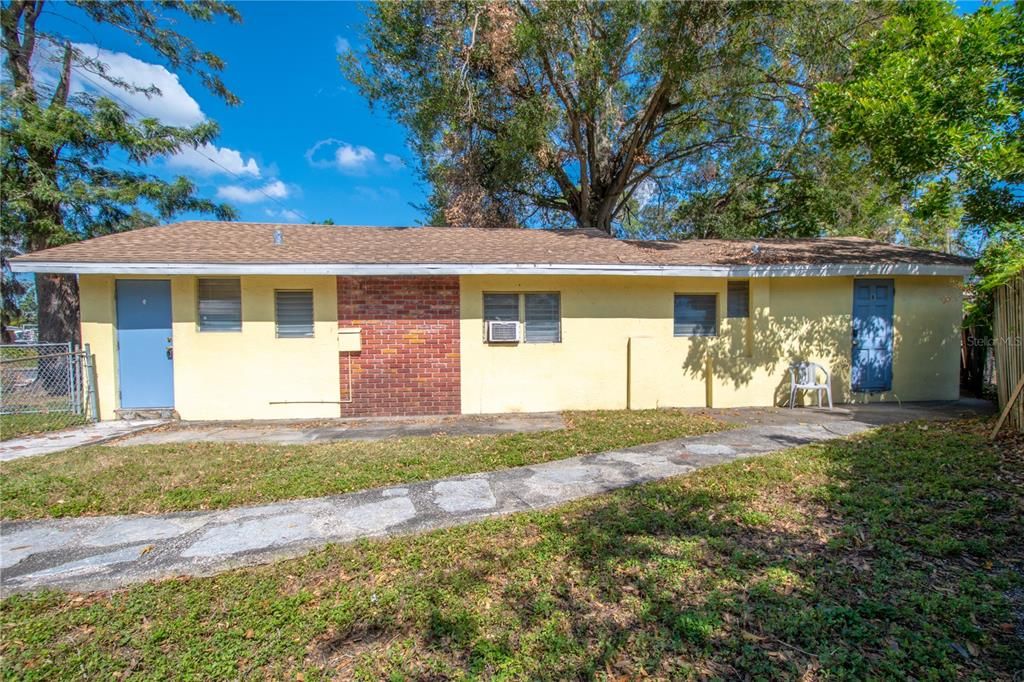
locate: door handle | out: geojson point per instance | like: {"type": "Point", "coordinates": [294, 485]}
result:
{"type": "Point", "coordinates": [170, 352]}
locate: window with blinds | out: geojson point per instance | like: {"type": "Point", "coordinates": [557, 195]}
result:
{"type": "Point", "coordinates": [501, 307]}
{"type": "Point", "coordinates": [293, 311]}
{"type": "Point", "coordinates": [220, 305]}
{"type": "Point", "coordinates": [738, 303]}
{"type": "Point", "coordinates": [696, 315]}
{"type": "Point", "coordinates": [542, 314]}
{"type": "Point", "coordinates": [543, 320]}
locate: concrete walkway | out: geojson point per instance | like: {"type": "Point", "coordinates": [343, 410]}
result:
{"type": "Point", "coordinates": [377, 428]}
{"type": "Point", "coordinates": [56, 441]}
{"type": "Point", "coordinates": [112, 551]}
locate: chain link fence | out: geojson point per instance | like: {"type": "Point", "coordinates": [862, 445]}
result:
{"type": "Point", "coordinates": [45, 386]}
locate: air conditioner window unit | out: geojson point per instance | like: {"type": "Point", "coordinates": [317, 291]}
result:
{"type": "Point", "coordinates": [502, 332]}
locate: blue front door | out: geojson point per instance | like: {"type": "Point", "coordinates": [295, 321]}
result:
{"type": "Point", "coordinates": [145, 367]}
{"type": "Point", "coordinates": [872, 335]}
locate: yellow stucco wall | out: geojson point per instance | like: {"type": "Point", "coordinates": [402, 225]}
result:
{"type": "Point", "coordinates": [618, 350]}
{"type": "Point", "coordinates": [230, 375]}
{"type": "Point", "coordinates": [588, 369]}
{"type": "Point", "coordinates": [97, 311]}
{"type": "Point", "coordinates": [617, 347]}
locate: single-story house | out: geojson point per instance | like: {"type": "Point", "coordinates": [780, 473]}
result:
{"type": "Point", "coordinates": [223, 320]}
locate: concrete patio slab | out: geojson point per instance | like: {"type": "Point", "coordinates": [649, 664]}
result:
{"type": "Point", "coordinates": [58, 441]}
{"type": "Point", "coordinates": [298, 433]}
{"type": "Point", "coordinates": [112, 551]}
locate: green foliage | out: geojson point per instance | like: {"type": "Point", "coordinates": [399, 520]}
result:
{"type": "Point", "coordinates": [688, 118]}
{"type": "Point", "coordinates": [1002, 259]}
{"type": "Point", "coordinates": [73, 164]}
{"type": "Point", "coordinates": [935, 101]}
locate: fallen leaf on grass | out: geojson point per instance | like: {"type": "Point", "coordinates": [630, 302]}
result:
{"type": "Point", "coordinates": [960, 650]}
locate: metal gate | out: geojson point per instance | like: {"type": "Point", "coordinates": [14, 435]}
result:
{"type": "Point", "coordinates": [45, 386]}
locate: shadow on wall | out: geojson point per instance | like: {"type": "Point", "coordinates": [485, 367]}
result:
{"type": "Point", "coordinates": [773, 345]}
{"type": "Point", "coordinates": [755, 353]}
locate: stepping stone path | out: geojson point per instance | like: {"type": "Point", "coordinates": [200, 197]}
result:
{"type": "Point", "coordinates": [107, 552]}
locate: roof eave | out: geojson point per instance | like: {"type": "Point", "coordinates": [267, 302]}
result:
{"type": "Point", "coordinates": [744, 271]}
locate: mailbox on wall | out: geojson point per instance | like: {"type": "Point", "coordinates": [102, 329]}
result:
{"type": "Point", "coordinates": [350, 339]}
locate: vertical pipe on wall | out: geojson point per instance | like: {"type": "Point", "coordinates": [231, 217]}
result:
{"type": "Point", "coordinates": [90, 383]}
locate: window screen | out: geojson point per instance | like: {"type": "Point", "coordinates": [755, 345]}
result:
{"type": "Point", "coordinates": [695, 315]}
{"type": "Point", "coordinates": [501, 307]}
{"type": "Point", "coordinates": [543, 318]}
{"type": "Point", "coordinates": [739, 300]}
{"type": "Point", "coordinates": [293, 311]}
{"type": "Point", "coordinates": [220, 305]}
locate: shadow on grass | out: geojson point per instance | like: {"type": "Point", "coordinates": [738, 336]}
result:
{"type": "Point", "coordinates": [886, 556]}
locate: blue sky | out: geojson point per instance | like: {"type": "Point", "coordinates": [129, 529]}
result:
{"type": "Point", "coordinates": [303, 135]}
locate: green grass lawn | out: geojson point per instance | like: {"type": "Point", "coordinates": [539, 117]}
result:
{"type": "Point", "coordinates": [890, 555]}
{"type": "Point", "coordinates": [15, 425]}
{"type": "Point", "coordinates": [181, 476]}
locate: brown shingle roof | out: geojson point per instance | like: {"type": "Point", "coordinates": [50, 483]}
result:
{"type": "Point", "coordinates": [197, 242]}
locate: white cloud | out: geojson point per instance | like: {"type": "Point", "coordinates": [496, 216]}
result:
{"type": "Point", "coordinates": [246, 195]}
{"type": "Point", "coordinates": [173, 106]}
{"type": "Point", "coordinates": [285, 214]}
{"type": "Point", "coordinates": [351, 159]}
{"type": "Point", "coordinates": [224, 160]}
{"type": "Point", "coordinates": [347, 158]}
{"type": "Point", "coordinates": [341, 45]}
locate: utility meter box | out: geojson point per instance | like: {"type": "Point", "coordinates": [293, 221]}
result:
{"type": "Point", "coordinates": [350, 339]}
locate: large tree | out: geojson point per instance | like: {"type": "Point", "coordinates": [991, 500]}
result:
{"type": "Point", "coordinates": [73, 159]}
{"type": "Point", "coordinates": [935, 103]}
{"type": "Point", "coordinates": [623, 116]}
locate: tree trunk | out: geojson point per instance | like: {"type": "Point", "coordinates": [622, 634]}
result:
{"type": "Point", "coordinates": [58, 308]}
{"type": "Point", "coordinates": [58, 323]}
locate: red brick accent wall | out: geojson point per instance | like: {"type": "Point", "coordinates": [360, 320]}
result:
{"type": "Point", "coordinates": [409, 363]}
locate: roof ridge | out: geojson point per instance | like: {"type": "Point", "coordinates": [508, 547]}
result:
{"type": "Point", "coordinates": [238, 242]}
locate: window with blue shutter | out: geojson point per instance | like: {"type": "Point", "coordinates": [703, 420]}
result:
{"type": "Point", "coordinates": [220, 305]}
{"type": "Point", "coordinates": [696, 315]}
{"type": "Point", "coordinates": [738, 303]}
{"type": "Point", "coordinates": [293, 311]}
{"type": "Point", "coordinates": [543, 318]}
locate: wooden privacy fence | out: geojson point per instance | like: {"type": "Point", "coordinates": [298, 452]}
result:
{"type": "Point", "coordinates": [1008, 339]}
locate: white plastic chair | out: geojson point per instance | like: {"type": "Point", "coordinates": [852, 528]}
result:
{"type": "Point", "coordinates": [804, 376]}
